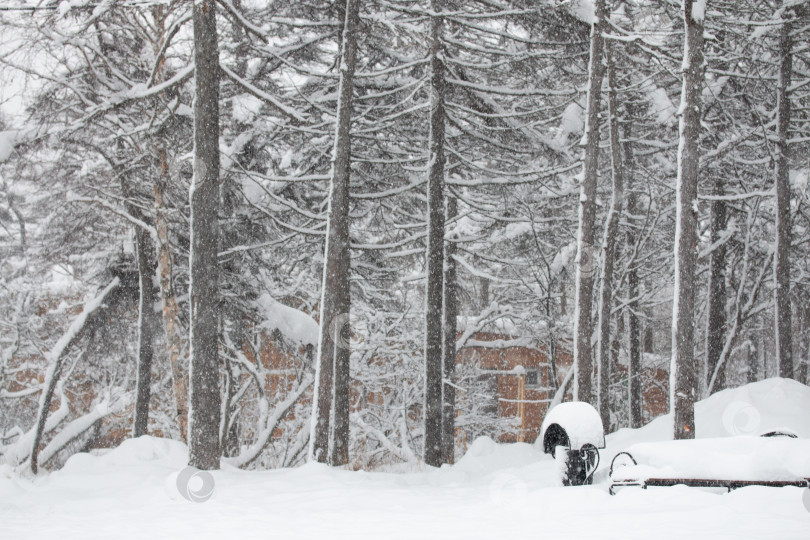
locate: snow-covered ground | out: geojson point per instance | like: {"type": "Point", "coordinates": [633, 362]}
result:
{"type": "Point", "coordinates": [495, 491]}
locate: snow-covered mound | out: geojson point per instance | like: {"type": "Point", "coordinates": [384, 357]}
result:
{"type": "Point", "coordinates": [726, 458]}
{"type": "Point", "coordinates": [752, 409]}
{"type": "Point", "coordinates": [728, 425]}
{"type": "Point", "coordinates": [494, 491]}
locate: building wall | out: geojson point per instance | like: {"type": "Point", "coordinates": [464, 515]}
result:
{"type": "Point", "coordinates": [528, 403]}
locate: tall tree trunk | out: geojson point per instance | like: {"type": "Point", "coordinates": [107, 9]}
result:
{"type": "Point", "coordinates": [449, 353]}
{"type": "Point", "coordinates": [148, 320]}
{"type": "Point", "coordinates": [609, 246]}
{"type": "Point", "coordinates": [333, 380]}
{"type": "Point", "coordinates": [717, 322]}
{"type": "Point", "coordinates": [634, 372]}
{"type": "Point", "coordinates": [683, 370]}
{"type": "Point", "coordinates": [784, 340]}
{"type": "Point", "coordinates": [801, 365]}
{"type": "Point", "coordinates": [148, 324]}
{"type": "Point", "coordinates": [204, 414]}
{"type": "Point", "coordinates": [175, 338]}
{"type": "Point", "coordinates": [752, 356]}
{"type": "Point", "coordinates": [338, 257]}
{"type": "Point", "coordinates": [435, 249]}
{"type": "Point", "coordinates": [586, 263]}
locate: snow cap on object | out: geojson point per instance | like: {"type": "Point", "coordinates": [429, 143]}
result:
{"type": "Point", "coordinates": [662, 106]}
{"type": "Point", "coordinates": [502, 325]}
{"type": "Point", "coordinates": [584, 10]}
{"type": "Point", "coordinates": [799, 180]}
{"type": "Point", "coordinates": [8, 140]}
{"type": "Point", "coordinates": [62, 280]}
{"type": "Point", "coordinates": [774, 404]}
{"type": "Point", "coordinates": [571, 122]}
{"type": "Point", "coordinates": [293, 324]}
{"type": "Point", "coordinates": [743, 457]}
{"type": "Point", "coordinates": [580, 420]}
{"type": "Point", "coordinates": [699, 10]}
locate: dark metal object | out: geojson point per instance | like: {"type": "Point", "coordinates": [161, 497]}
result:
{"type": "Point", "coordinates": [580, 466]}
{"type": "Point", "coordinates": [704, 483]}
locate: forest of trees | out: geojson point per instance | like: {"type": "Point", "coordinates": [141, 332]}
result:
{"type": "Point", "coordinates": [180, 179]}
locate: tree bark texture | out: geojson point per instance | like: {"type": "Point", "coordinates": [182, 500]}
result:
{"type": "Point", "coordinates": [781, 267]}
{"type": "Point", "coordinates": [148, 324]}
{"type": "Point", "coordinates": [205, 400]}
{"type": "Point", "coordinates": [148, 319]}
{"type": "Point", "coordinates": [435, 249]}
{"type": "Point", "coordinates": [609, 246]}
{"type": "Point", "coordinates": [175, 340]}
{"type": "Point", "coordinates": [634, 373]}
{"type": "Point", "coordinates": [586, 264]}
{"type": "Point", "coordinates": [449, 354]}
{"type": "Point", "coordinates": [683, 369]}
{"type": "Point", "coordinates": [717, 320]}
{"type": "Point", "coordinates": [752, 356]}
{"type": "Point", "coordinates": [338, 257]}
{"type": "Point", "coordinates": [170, 311]}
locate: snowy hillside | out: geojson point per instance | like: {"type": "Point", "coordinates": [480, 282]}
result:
{"type": "Point", "coordinates": [495, 491]}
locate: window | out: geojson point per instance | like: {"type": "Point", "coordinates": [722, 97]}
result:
{"type": "Point", "coordinates": [532, 377]}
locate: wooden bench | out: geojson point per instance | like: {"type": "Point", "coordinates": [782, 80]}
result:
{"type": "Point", "coordinates": [707, 470]}
{"type": "Point", "coordinates": [706, 483]}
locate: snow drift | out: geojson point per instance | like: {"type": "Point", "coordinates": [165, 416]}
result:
{"type": "Point", "coordinates": [494, 491]}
